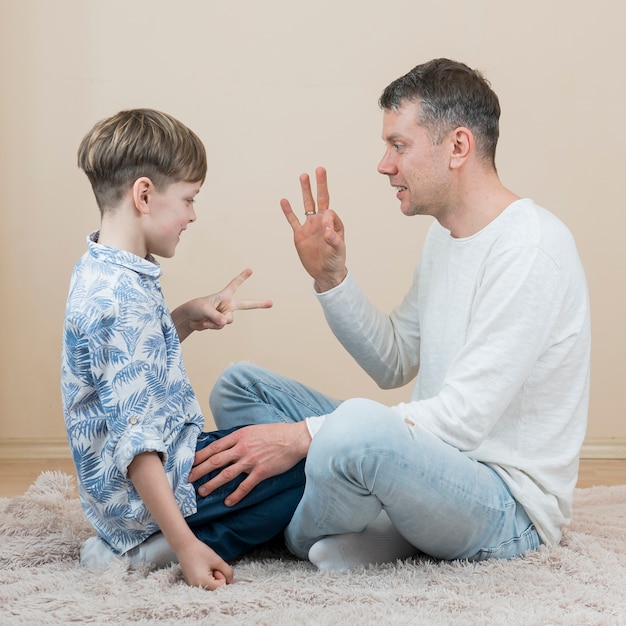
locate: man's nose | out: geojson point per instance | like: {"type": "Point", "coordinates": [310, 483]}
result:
{"type": "Point", "coordinates": [387, 165]}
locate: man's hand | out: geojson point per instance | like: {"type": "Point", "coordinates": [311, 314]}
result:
{"type": "Point", "coordinates": [320, 240]}
{"type": "Point", "coordinates": [260, 450]}
{"type": "Point", "coordinates": [216, 310]}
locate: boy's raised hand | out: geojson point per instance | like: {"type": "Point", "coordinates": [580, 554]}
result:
{"type": "Point", "coordinates": [216, 310]}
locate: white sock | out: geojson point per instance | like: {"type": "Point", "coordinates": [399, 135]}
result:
{"type": "Point", "coordinates": [155, 550]}
{"type": "Point", "coordinates": [379, 543]}
{"type": "Point", "coordinates": [96, 553]}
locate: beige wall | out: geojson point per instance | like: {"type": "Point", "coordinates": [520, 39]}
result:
{"type": "Point", "coordinates": [276, 88]}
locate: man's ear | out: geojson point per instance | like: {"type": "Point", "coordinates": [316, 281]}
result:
{"type": "Point", "coordinates": [462, 146]}
{"type": "Point", "coordinates": [143, 188]}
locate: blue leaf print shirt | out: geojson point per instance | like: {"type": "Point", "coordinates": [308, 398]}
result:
{"type": "Point", "coordinates": [125, 391]}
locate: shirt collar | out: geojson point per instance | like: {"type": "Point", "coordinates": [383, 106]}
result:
{"type": "Point", "coordinates": [148, 266]}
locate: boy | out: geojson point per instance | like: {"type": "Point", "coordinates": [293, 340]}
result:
{"type": "Point", "coordinates": [133, 421]}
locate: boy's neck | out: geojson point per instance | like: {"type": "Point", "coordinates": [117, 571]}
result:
{"type": "Point", "coordinates": [119, 228]}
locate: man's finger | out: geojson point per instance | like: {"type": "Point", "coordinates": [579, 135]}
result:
{"type": "Point", "coordinates": [323, 197]}
{"type": "Point", "coordinates": [214, 448]}
{"type": "Point", "coordinates": [307, 194]}
{"type": "Point", "coordinates": [225, 476]}
{"type": "Point", "coordinates": [202, 469]}
{"type": "Point", "coordinates": [245, 487]}
{"type": "Point", "coordinates": [294, 222]}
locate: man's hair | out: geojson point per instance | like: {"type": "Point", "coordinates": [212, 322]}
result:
{"type": "Point", "coordinates": [450, 95]}
{"type": "Point", "coordinates": [135, 143]}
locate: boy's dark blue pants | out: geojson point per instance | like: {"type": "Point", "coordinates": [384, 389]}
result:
{"type": "Point", "coordinates": [262, 515]}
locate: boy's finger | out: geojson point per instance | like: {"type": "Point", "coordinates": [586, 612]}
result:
{"type": "Point", "coordinates": [236, 282]}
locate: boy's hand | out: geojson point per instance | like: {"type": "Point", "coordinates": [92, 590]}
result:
{"type": "Point", "coordinates": [202, 567]}
{"type": "Point", "coordinates": [216, 310]}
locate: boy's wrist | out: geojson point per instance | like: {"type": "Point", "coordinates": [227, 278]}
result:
{"type": "Point", "coordinates": [182, 541]}
{"type": "Point", "coordinates": [182, 323]}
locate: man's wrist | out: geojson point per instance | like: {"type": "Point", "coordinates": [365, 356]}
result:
{"type": "Point", "coordinates": [304, 442]}
{"type": "Point", "coordinates": [326, 283]}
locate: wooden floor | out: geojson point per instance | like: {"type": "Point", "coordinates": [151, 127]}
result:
{"type": "Point", "coordinates": [17, 475]}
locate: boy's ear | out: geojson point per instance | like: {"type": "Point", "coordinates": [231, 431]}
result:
{"type": "Point", "coordinates": [142, 191]}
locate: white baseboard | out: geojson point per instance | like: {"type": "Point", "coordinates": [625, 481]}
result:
{"type": "Point", "coordinates": [12, 449]}
{"type": "Point", "coordinates": [604, 448]}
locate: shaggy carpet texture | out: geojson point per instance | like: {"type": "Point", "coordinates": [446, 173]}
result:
{"type": "Point", "coordinates": [581, 582]}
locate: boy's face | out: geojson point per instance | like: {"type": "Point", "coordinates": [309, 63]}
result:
{"type": "Point", "coordinates": [171, 211]}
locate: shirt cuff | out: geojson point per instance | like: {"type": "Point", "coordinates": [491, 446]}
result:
{"type": "Point", "coordinates": [329, 293]}
{"type": "Point", "coordinates": [314, 423]}
{"type": "Point", "coordinates": [136, 441]}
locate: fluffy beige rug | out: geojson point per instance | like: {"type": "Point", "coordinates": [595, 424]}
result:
{"type": "Point", "coordinates": [583, 581]}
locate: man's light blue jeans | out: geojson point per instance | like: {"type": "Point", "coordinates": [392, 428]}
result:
{"type": "Point", "coordinates": [365, 459]}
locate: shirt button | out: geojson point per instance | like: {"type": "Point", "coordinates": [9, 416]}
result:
{"type": "Point", "coordinates": [133, 420]}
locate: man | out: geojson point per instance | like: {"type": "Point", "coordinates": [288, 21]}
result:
{"type": "Point", "coordinates": [483, 459]}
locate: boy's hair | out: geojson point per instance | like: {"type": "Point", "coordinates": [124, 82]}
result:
{"type": "Point", "coordinates": [450, 94]}
{"type": "Point", "coordinates": [135, 143]}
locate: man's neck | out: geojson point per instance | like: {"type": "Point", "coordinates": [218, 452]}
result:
{"type": "Point", "coordinates": [477, 206]}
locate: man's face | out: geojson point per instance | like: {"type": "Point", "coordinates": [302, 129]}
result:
{"type": "Point", "coordinates": [418, 169]}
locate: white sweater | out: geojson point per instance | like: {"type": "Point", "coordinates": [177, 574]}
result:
{"type": "Point", "coordinates": [496, 329]}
